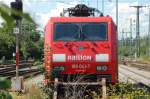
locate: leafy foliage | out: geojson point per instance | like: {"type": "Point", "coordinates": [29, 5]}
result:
{"type": "Point", "coordinates": [5, 95]}
{"type": "Point", "coordinates": [127, 47]}
{"type": "Point", "coordinates": [31, 43]}
{"type": "Point", "coordinates": [4, 83]}
{"type": "Point", "coordinates": [7, 42]}
{"type": "Point", "coordinates": [5, 13]}
{"type": "Point", "coordinates": [128, 91]}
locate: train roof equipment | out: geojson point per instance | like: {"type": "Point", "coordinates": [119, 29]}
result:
{"type": "Point", "coordinates": [81, 10]}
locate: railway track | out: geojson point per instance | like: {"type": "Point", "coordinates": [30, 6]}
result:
{"type": "Point", "coordinates": [13, 67]}
{"type": "Point", "coordinates": [26, 69]}
{"type": "Point", "coordinates": [21, 72]}
{"type": "Point", "coordinates": [138, 64]}
{"type": "Point", "coordinates": [134, 75]}
{"type": "Point", "coordinates": [142, 66]}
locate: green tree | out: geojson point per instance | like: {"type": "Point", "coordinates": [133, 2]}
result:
{"type": "Point", "coordinates": [7, 42]}
{"type": "Point", "coordinates": [30, 40]}
{"type": "Point", "coordinates": [5, 13]}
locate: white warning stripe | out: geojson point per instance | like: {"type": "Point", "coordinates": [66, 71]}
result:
{"type": "Point", "coordinates": [102, 57]}
{"type": "Point", "coordinates": [59, 58]}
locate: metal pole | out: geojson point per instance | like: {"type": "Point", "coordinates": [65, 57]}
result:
{"type": "Point", "coordinates": [137, 45]}
{"type": "Point", "coordinates": [131, 35]}
{"type": "Point", "coordinates": [17, 51]}
{"type": "Point", "coordinates": [126, 39]}
{"type": "Point", "coordinates": [149, 34]}
{"type": "Point", "coordinates": [97, 4]}
{"type": "Point", "coordinates": [103, 6]}
{"type": "Point", "coordinates": [122, 41]}
{"type": "Point", "coordinates": [138, 33]}
{"type": "Point", "coordinates": [18, 25]}
{"type": "Point", "coordinates": [117, 14]}
{"type": "Point", "coordinates": [123, 38]}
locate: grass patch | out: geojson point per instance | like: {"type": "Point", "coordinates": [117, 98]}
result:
{"type": "Point", "coordinates": [5, 95]}
{"type": "Point", "coordinates": [118, 91]}
{"type": "Point", "coordinates": [144, 59]}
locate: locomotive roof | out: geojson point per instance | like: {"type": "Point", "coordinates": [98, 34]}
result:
{"type": "Point", "coordinates": [80, 19]}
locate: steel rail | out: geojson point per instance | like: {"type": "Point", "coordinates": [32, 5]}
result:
{"type": "Point", "coordinates": [135, 73]}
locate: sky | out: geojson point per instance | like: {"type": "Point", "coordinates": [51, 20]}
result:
{"type": "Point", "coordinates": [42, 10]}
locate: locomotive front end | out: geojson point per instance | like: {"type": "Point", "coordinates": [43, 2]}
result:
{"type": "Point", "coordinates": [81, 46]}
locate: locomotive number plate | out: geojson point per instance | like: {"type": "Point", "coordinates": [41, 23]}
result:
{"type": "Point", "coordinates": [80, 66]}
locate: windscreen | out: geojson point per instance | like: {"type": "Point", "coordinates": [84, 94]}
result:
{"type": "Point", "coordinates": [89, 31]}
{"type": "Point", "coordinates": [66, 32]}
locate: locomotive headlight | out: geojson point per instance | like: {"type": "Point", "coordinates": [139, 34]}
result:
{"type": "Point", "coordinates": [102, 68]}
{"type": "Point", "coordinates": [59, 58]}
{"type": "Point", "coordinates": [102, 57]}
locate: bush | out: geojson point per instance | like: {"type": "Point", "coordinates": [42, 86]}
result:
{"type": "Point", "coordinates": [5, 95]}
{"type": "Point", "coordinates": [37, 63]}
{"type": "Point", "coordinates": [4, 84]}
{"type": "Point", "coordinates": [128, 91]}
{"type": "Point", "coordinates": [7, 62]}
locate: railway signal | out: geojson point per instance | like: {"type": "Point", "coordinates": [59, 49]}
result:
{"type": "Point", "coordinates": [18, 7]}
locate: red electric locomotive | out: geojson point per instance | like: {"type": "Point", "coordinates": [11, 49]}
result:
{"type": "Point", "coordinates": [81, 44]}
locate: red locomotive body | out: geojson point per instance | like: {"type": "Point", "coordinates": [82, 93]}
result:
{"type": "Point", "coordinates": [81, 46]}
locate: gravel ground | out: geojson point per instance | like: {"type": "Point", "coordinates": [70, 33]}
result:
{"type": "Point", "coordinates": [35, 80]}
{"type": "Point", "coordinates": [32, 91]}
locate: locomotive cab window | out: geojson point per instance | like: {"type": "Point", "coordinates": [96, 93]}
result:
{"type": "Point", "coordinates": [87, 31]}
{"type": "Point", "coordinates": [66, 32]}
{"type": "Point", "coordinates": [94, 31]}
